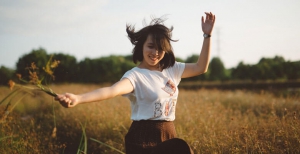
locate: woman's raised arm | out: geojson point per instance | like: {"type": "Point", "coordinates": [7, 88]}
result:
{"type": "Point", "coordinates": [201, 66]}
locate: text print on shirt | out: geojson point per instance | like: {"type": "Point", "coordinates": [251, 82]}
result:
{"type": "Point", "coordinates": [157, 110]}
{"type": "Point", "coordinates": [169, 107]}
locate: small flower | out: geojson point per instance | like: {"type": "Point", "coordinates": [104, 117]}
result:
{"type": "Point", "coordinates": [54, 64]}
{"type": "Point", "coordinates": [51, 65]}
{"type": "Point", "coordinates": [34, 79]}
{"type": "Point", "coordinates": [11, 84]}
{"type": "Point", "coordinates": [48, 70]}
{"type": "Point", "coordinates": [33, 66]}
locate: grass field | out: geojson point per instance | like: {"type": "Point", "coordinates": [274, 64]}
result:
{"type": "Point", "coordinates": [211, 121]}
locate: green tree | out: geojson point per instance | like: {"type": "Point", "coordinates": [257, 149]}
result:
{"type": "Point", "coordinates": [193, 59]}
{"type": "Point", "coordinates": [271, 68]}
{"type": "Point", "coordinates": [114, 67]}
{"type": "Point", "coordinates": [39, 57]}
{"type": "Point", "coordinates": [67, 69]}
{"type": "Point", "coordinates": [104, 69]}
{"type": "Point", "coordinates": [291, 70]}
{"type": "Point", "coordinates": [241, 72]}
{"type": "Point", "coordinates": [87, 71]}
{"type": "Point", "coordinates": [5, 75]}
{"type": "Point", "coordinates": [265, 69]}
{"type": "Point", "coordinates": [217, 69]}
{"type": "Point", "coordinates": [179, 59]}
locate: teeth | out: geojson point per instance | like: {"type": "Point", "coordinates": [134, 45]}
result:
{"type": "Point", "coordinates": [153, 58]}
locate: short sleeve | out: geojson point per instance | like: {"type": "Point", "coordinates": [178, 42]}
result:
{"type": "Point", "coordinates": [179, 69]}
{"type": "Point", "coordinates": [176, 71]}
{"type": "Point", "coordinates": [131, 77]}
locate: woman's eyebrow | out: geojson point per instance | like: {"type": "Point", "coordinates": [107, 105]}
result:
{"type": "Point", "coordinates": [150, 43]}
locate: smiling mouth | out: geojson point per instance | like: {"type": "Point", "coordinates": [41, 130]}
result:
{"type": "Point", "coordinates": [153, 58]}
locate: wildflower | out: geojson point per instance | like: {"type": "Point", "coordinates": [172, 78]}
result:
{"type": "Point", "coordinates": [34, 79]}
{"type": "Point", "coordinates": [54, 64]}
{"type": "Point", "coordinates": [11, 84]}
{"type": "Point", "coordinates": [48, 70]}
{"type": "Point", "coordinates": [33, 66]}
{"type": "Point", "coordinates": [49, 66]}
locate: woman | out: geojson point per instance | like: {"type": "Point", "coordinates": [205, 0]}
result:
{"type": "Point", "coordinates": [151, 86]}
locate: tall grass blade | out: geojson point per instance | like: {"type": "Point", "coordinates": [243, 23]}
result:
{"type": "Point", "coordinates": [10, 94]}
{"type": "Point", "coordinates": [83, 141]}
{"type": "Point", "coordinates": [80, 145]}
{"type": "Point", "coordinates": [107, 145]}
{"type": "Point", "coordinates": [7, 110]}
{"type": "Point", "coordinates": [54, 121]}
{"type": "Point", "coordinates": [17, 102]}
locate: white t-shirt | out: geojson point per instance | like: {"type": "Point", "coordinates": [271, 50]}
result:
{"type": "Point", "coordinates": [155, 93]}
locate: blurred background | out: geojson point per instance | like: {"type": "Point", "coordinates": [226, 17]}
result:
{"type": "Point", "coordinates": [247, 33]}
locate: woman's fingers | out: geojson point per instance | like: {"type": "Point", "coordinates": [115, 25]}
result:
{"type": "Point", "coordinates": [208, 22]}
{"type": "Point", "coordinates": [64, 100]}
{"type": "Point", "coordinates": [209, 16]}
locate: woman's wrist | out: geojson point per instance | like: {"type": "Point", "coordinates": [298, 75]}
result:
{"type": "Point", "coordinates": [206, 35]}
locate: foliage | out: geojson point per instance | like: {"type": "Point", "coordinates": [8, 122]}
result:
{"type": "Point", "coordinates": [39, 57]}
{"type": "Point", "coordinates": [179, 60]}
{"type": "Point", "coordinates": [291, 70]}
{"type": "Point", "coordinates": [5, 75]}
{"type": "Point", "coordinates": [111, 68]}
{"type": "Point", "coordinates": [104, 69]}
{"type": "Point", "coordinates": [67, 70]}
{"type": "Point", "coordinates": [217, 69]}
{"type": "Point", "coordinates": [268, 69]}
{"type": "Point", "coordinates": [193, 59]}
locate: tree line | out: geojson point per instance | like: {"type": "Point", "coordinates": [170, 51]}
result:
{"type": "Point", "coordinates": [111, 68]}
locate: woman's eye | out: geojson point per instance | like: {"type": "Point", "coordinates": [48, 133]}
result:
{"type": "Point", "coordinates": [151, 47]}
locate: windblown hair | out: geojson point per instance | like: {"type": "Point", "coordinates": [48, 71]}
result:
{"type": "Point", "coordinates": [161, 36]}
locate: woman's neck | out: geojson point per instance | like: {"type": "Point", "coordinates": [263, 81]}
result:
{"type": "Point", "coordinates": [149, 67]}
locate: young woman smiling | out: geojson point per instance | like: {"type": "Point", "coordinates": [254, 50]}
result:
{"type": "Point", "coordinates": [151, 87]}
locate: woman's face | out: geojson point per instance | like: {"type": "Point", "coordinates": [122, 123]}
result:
{"type": "Point", "coordinates": [151, 56]}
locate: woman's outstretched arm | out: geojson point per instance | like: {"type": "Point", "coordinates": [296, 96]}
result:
{"type": "Point", "coordinates": [201, 66]}
{"type": "Point", "coordinates": [121, 87]}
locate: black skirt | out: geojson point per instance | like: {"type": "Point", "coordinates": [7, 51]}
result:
{"type": "Point", "coordinates": [145, 135]}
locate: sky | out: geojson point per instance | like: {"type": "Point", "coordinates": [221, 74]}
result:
{"type": "Point", "coordinates": [245, 30]}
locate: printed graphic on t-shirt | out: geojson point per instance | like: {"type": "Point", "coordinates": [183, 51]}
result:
{"type": "Point", "coordinates": [170, 106]}
{"type": "Point", "coordinates": [170, 88]}
{"type": "Point", "coordinates": [167, 110]}
{"type": "Point", "coordinates": [157, 110]}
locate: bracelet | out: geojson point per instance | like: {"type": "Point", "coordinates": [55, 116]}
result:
{"type": "Point", "coordinates": [206, 35]}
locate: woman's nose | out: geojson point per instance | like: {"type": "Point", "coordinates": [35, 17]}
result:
{"type": "Point", "coordinates": [154, 51]}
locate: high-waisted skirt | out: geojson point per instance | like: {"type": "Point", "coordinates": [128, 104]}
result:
{"type": "Point", "coordinates": [144, 135]}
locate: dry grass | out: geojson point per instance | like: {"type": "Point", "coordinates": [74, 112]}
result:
{"type": "Point", "coordinates": [211, 121]}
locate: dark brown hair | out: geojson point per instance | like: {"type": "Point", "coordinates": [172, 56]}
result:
{"type": "Point", "coordinates": [161, 36]}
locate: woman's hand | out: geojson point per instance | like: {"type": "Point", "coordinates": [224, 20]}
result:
{"type": "Point", "coordinates": [208, 23]}
{"type": "Point", "coordinates": [67, 100]}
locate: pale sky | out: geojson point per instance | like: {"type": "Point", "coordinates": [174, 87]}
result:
{"type": "Point", "coordinates": [245, 30]}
